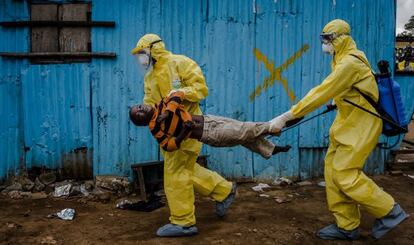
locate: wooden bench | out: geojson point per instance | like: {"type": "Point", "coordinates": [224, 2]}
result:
{"type": "Point", "coordinates": [141, 170]}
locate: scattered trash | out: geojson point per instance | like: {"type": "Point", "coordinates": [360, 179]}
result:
{"type": "Point", "coordinates": [83, 190]}
{"type": "Point", "coordinates": [264, 195]}
{"type": "Point", "coordinates": [304, 183]}
{"type": "Point", "coordinates": [260, 187]}
{"type": "Point", "coordinates": [66, 214]}
{"type": "Point", "coordinates": [282, 200]}
{"type": "Point", "coordinates": [410, 176]}
{"type": "Point", "coordinates": [63, 190]}
{"type": "Point", "coordinates": [322, 184]}
{"type": "Point", "coordinates": [48, 240]}
{"type": "Point", "coordinates": [151, 205]}
{"type": "Point", "coordinates": [282, 181]}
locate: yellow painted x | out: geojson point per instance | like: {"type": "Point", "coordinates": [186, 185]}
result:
{"type": "Point", "coordinates": [276, 73]}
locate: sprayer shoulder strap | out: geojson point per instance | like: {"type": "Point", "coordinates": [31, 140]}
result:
{"type": "Point", "coordinates": [367, 97]}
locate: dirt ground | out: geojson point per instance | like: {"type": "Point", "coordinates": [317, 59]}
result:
{"type": "Point", "coordinates": [251, 220]}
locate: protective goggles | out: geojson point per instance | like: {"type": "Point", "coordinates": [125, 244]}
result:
{"type": "Point", "coordinates": [327, 37]}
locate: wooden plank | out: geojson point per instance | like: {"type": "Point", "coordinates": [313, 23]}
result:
{"type": "Point", "coordinates": [74, 39]}
{"type": "Point", "coordinates": [56, 23]}
{"type": "Point", "coordinates": [59, 54]}
{"type": "Point", "coordinates": [44, 39]}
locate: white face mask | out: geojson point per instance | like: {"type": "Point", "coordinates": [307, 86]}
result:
{"type": "Point", "coordinates": [144, 61]}
{"type": "Point", "coordinates": [328, 48]}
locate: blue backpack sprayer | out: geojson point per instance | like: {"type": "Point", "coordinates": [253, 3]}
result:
{"type": "Point", "coordinates": [389, 107]}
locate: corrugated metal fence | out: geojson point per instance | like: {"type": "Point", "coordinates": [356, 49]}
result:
{"type": "Point", "coordinates": [259, 57]}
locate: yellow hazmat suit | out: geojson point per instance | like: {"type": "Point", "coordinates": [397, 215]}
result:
{"type": "Point", "coordinates": [182, 175]}
{"type": "Point", "coordinates": [353, 135]}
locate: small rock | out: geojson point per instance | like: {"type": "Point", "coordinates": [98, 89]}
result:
{"type": "Point", "coordinates": [47, 178]}
{"type": "Point", "coordinates": [13, 187]}
{"type": "Point", "coordinates": [101, 195]}
{"type": "Point", "coordinates": [264, 195]}
{"type": "Point", "coordinates": [281, 200]}
{"type": "Point", "coordinates": [13, 226]}
{"type": "Point", "coordinates": [89, 185]}
{"type": "Point", "coordinates": [19, 194]}
{"type": "Point", "coordinates": [38, 185]}
{"type": "Point", "coordinates": [48, 240]}
{"type": "Point", "coordinates": [254, 230]}
{"type": "Point", "coordinates": [27, 184]}
{"type": "Point", "coordinates": [305, 183]}
{"type": "Point", "coordinates": [238, 234]}
{"type": "Point", "coordinates": [113, 183]}
{"type": "Point", "coordinates": [322, 184]}
{"type": "Point", "coordinates": [282, 181]}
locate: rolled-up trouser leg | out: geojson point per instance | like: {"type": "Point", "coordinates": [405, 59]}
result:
{"type": "Point", "coordinates": [225, 132]}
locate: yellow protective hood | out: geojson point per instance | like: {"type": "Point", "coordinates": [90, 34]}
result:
{"type": "Point", "coordinates": [154, 43]}
{"type": "Point", "coordinates": [344, 44]}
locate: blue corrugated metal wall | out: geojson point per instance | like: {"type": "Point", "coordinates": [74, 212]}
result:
{"type": "Point", "coordinates": [51, 106]}
{"type": "Point", "coordinates": [11, 120]}
{"type": "Point", "coordinates": [65, 107]}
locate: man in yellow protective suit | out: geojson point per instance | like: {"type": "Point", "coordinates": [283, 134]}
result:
{"type": "Point", "coordinates": [165, 73]}
{"type": "Point", "coordinates": [353, 135]}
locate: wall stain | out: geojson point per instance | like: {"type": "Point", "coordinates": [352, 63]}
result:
{"type": "Point", "coordinates": [276, 73]}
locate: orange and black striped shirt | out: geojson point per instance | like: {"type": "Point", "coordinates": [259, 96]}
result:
{"type": "Point", "coordinates": [165, 132]}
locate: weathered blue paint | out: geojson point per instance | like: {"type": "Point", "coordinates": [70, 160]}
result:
{"type": "Point", "coordinates": [55, 109]}
{"type": "Point", "coordinates": [51, 102]}
{"type": "Point", "coordinates": [11, 121]}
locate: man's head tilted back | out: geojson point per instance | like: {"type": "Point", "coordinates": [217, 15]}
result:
{"type": "Point", "coordinates": [141, 114]}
